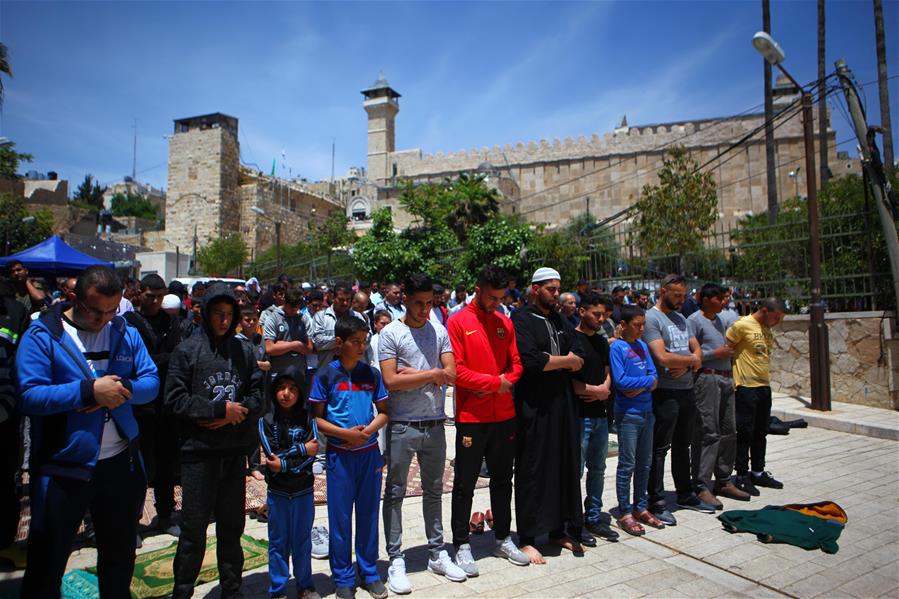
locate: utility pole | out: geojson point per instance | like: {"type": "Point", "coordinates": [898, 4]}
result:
{"type": "Point", "coordinates": [770, 161]}
{"type": "Point", "coordinates": [882, 78]}
{"type": "Point", "coordinates": [822, 93]}
{"type": "Point", "coordinates": [134, 155]}
{"type": "Point", "coordinates": [278, 245]}
{"type": "Point", "coordinates": [880, 183]}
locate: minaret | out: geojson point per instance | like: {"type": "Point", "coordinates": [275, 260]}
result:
{"type": "Point", "coordinates": [381, 103]}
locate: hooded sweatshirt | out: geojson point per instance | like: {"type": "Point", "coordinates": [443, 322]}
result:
{"type": "Point", "coordinates": [204, 373]}
{"type": "Point", "coordinates": [284, 435]}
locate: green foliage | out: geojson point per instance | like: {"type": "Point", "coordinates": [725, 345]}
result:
{"type": "Point", "coordinates": [19, 235]}
{"type": "Point", "coordinates": [10, 160]}
{"type": "Point", "coordinates": [332, 234]}
{"type": "Point", "coordinates": [382, 254]}
{"type": "Point", "coordinates": [223, 256]}
{"type": "Point", "coordinates": [134, 204]}
{"type": "Point", "coordinates": [473, 203]}
{"type": "Point", "coordinates": [673, 215]}
{"type": "Point", "coordinates": [430, 204]}
{"type": "Point", "coordinates": [556, 250]}
{"type": "Point", "coordinates": [89, 194]}
{"type": "Point", "coordinates": [498, 241]}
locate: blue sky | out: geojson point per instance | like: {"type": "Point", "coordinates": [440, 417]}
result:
{"type": "Point", "coordinates": [472, 74]}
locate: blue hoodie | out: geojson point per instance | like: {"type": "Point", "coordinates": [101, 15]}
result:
{"type": "Point", "coordinates": [632, 368]}
{"type": "Point", "coordinates": [55, 382]}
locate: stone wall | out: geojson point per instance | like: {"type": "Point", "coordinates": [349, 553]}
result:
{"type": "Point", "coordinates": [864, 358]}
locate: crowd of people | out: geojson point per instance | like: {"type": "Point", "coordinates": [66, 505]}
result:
{"type": "Point", "coordinates": [126, 384]}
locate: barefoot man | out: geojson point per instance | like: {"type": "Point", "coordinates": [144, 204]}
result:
{"type": "Point", "coordinates": [547, 461]}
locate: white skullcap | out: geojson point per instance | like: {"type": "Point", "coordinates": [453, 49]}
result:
{"type": "Point", "coordinates": [171, 301]}
{"type": "Point", "coordinates": [545, 274]}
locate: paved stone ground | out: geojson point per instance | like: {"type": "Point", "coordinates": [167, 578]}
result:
{"type": "Point", "coordinates": [694, 559]}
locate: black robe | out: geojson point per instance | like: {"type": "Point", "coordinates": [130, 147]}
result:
{"type": "Point", "coordinates": [547, 460]}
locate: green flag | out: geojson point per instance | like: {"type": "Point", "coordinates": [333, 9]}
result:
{"type": "Point", "coordinates": [273, 167]}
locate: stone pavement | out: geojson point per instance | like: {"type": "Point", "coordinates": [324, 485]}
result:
{"type": "Point", "coordinates": [844, 417]}
{"type": "Point", "coordinates": [694, 559]}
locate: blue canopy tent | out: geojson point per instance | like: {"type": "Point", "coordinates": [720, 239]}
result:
{"type": "Point", "coordinates": [54, 258]}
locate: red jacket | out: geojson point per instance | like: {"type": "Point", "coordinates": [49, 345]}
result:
{"type": "Point", "coordinates": [484, 348]}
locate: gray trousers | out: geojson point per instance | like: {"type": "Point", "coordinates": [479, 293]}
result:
{"type": "Point", "coordinates": [715, 433]}
{"type": "Point", "coordinates": [429, 446]}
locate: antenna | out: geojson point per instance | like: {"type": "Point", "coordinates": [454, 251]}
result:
{"type": "Point", "coordinates": [333, 144]}
{"type": "Point", "coordinates": [134, 154]}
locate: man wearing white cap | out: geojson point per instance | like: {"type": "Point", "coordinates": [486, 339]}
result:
{"type": "Point", "coordinates": [547, 461]}
{"type": "Point", "coordinates": [171, 304]}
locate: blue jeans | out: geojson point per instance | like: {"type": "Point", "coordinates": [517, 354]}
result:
{"type": "Point", "coordinates": [594, 449]}
{"type": "Point", "coordinates": [634, 459]}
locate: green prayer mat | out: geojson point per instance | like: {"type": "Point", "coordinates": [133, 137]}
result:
{"type": "Point", "coordinates": [153, 576]}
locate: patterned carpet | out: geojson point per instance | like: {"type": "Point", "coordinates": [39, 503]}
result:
{"type": "Point", "coordinates": [256, 494]}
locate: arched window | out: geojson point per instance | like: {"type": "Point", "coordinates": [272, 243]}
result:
{"type": "Point", "coordinates": [360, 209]}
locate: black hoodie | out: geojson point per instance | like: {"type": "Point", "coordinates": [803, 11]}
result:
{"type": "Point", "coordinates": [204, 373]}
{"type": "Point", "coordinates": [284, 436]}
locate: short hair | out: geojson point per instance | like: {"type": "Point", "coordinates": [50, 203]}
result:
{"type": "Point", "coordinates": [564, 297]}
{"type": "Point", "coordinates": [346, 326]}
{"type": "Point", "coordinates": [643, 292]}
{"type": "Point", "coordinates": [152, 281]}
{"type": "Point", "coordinates": [773, 304]}
{"type": "Point", "coordinates": [364, 284]}
{"type": "Point", "coordinates": [607, 302]}
{"type": "Point", "coordinates": [438, 288]}
{"type": "Point", "coordinates": [673, 279]}
{"type": "Point", "coordinates": [101, 278]}
{"type": "Point", "coordinates": [492, 276]}
{"type": "Point", "coordinates": [381, 314]}
{"type": "Point", "coordinates": [461, 287]}
{"type": "Point", "coordinates": [12, 264]}
{"type": "Point", "coordinates": [630, 312]}
{"type": "Point", "coordinates": [278, 288]}
{"type": "Point", "coordinates": [198, 286]}
{"type": "Point", "coordinates": [316, 295]}
{"type": "Point", "coordinates": [617, 290]}
{"type": "Point", "coordinates": [293, 297]}
{"type": "Point", "coordinates": [710, 290]}
{"type": "Point", "coordinates": [342, 286]}
{"type": "Point", "coordinates": [418, 282]}
{"type": "Point", "coordinates": [248, 310]}
{"type": "Point", "coordinates": [591, 299]}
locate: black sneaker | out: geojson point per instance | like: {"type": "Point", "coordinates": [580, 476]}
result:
{"type": "Point", "coordinates": [662, 513]}
{"type": "Point", "coordinates": [602, 530]}
{"type": "Point", "coordinates": [587, 540]}
{"type": "Point", "coordinates": [744, 483]}
{"type": "Point", "coordinates": [376, 589]}
{"type": "Point", "coordinates": [692, 502]}
{"type": "Point", "coordinates": [345, 593]}
{"type": "Point", "coordinates": [765, 480]}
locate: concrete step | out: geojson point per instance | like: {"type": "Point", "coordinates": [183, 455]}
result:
{"type": "Point", "coordinates": [844, 417]}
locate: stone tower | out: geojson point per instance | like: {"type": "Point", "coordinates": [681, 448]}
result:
{"type": "Point", "coordinates": [204, 180]}
{"type": "Point", "coordinates": [382, 104]}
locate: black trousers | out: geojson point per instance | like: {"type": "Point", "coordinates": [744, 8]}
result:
{"type": "Point", "coordinates": [476, 441]}
{"type": "Point", "coordinates": [753, 411]}
{"type": "Point", "coordinates": [10, 458]}
{"type": "Point", "coordinates": [211, 486]}
{"type": "Point", "coordinates": [160, 450]}
{"type": "Point", "coordinates": [675, 413]}
{"type": "Point", "coordinates": [115, 496]}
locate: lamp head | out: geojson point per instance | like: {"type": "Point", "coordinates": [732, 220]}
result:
{"type": "Point", "coordinates": [258, 210]}
{"type": "Point", "coordinates": [768, 48]}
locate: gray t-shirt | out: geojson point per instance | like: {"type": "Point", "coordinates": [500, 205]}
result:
{"type": "Point", "coordinates": [280, 327]}
{"type": "Point", "coordinates": [672, 329]}
{"type": "Point", "coordinates": [710, 335]}
{"type": "Point", "coordinates": [420, 349]}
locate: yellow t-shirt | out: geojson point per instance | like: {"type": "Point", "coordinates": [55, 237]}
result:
{"type": "Point", "coordinates": [753, 344]}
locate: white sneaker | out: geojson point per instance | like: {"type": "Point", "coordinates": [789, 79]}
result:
{"type": "Point", "coordinates": [444, 565]}
{"type": "Point", "coordinates": [396, 577]}
{"type": "Point", "coordinates": [507, 549]}
{"type": "Point", "coordinates": [465, 560]}
{"type": "Point", "coordinates": [320, 542]}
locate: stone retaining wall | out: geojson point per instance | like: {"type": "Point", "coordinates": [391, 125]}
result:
{"type": "Point", "coordinates": [864, 358]}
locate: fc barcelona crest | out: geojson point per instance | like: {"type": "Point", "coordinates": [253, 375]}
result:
{"type": "Point", "coordinates": [466, 441]}
{"type": "Point", "coordinates": [501, 332]}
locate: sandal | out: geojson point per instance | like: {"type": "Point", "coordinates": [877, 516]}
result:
{"type": "Point", "coordinates": [629, 524]}
{"type": "Point", "coordinates": [476, 524]}
{"type": "Point", "coordinates": [647, 517]}
{"type": "Point", "coordinates": [488, 518]}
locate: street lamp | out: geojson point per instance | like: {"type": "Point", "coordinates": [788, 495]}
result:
{"type": "Point", "coordinates": [277, 224]}
{"type": "Point", "coordinates": [794, 175]}
{"type": "Point", "coordinates": [819, 360]}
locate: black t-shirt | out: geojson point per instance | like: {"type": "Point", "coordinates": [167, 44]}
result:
{"type": "Point", "coordinates": [596, 360]}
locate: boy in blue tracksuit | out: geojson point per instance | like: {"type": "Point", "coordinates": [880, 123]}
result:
{"type": "Point", "coordinates": [634, 377]}
{"type": "Point", "coordinates": [288, 446]}
{"type": "Point", "coordinates": [80, 371]}
{"type": "Point", "coordinates": [342, 396]}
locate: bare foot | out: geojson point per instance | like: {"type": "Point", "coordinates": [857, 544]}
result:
{"type": "Point", "coordinates": [533, 554]}
{"type": "Point", "coordinates": [569, 544]}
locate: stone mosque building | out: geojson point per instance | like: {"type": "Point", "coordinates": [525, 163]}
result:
{"type": "Point", "coordinates": [210, 193]}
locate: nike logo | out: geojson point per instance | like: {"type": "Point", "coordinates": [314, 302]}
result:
{"type": "Point", "coordinates": [471, 332]}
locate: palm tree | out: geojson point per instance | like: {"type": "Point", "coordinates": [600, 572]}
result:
{"type": "Point", "coordinates": [4, 67]}
{"type": "Point", "coordinates": [474, 203]}
{"type": "Point", "coordinates": [882, 79]}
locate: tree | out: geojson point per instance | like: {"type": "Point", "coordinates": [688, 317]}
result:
{"type": "Point", "coordinates": [134, 204]}
{"type": "Point", "coordinates": [673, 215]}
{"type": "Point", "coordinates": [18, 235]}
{"type": "Point", "coordinates": [499, 241]}
{"type": "Point", "coordinates": [90, 194]}
{"type": "Point", "coordinates": [10, 159]}
{"type": "Point", "coordinates": [5, 67]}
{"type": "Point", "coordinates": [429, 204]}
{"type": "Point", "coordinates": [222, 256]}
{"type": "Point", "coordinates": [556, 250]}
{"type": "Point", "coordinates": [473, 203]}
{"type": "Point", "coordinates": [382, 254]}
{"type": "Point", "coordinates": [331, 236]}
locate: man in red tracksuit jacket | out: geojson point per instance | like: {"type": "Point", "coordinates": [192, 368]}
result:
{"type": "Point", "coordinates": [487, 366]}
